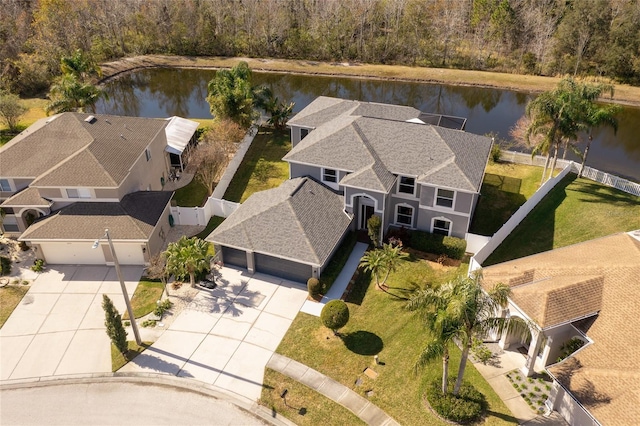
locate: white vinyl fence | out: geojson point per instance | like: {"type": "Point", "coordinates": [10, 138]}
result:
{"type": "Point", "coordinates": [201, 215]}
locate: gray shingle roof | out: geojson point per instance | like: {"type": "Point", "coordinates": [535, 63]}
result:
{"type": "Point", "coordinates": [300, 220]}
{"type": "Point", "coordinates": [352, 142]}
{"type": "Point", "coordinates": [133, 218]}
{"type": "Point", "coordinates": [97, 154]}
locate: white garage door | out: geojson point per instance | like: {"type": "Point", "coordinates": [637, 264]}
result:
{"type": "Point", "coordinates": [78, 253]}
{"type": "Point", "coordinates": [72, 254]}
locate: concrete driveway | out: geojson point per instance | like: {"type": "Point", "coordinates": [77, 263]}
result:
{"type": "Point", "coordinates": [58, 328]}
{"type": "Point", "coordinates": [226, 336]}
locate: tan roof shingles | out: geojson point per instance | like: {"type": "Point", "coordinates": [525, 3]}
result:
{"type": "Point", "coordinates": [27, 197]}
{"type": "Point", "coordinates": [605, 375]}
{"type": "Point", "coordinates": [131, 219]}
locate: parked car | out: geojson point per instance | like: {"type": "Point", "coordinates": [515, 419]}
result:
{"type": "Point", "coordinates": [207, 283]}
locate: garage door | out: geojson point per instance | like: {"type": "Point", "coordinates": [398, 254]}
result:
{"type": "Point", "coordinates": [129, 254]}
{"type": "Point", "coordinates": [282, 268]}
{"type": "Point", "coordinates": [71, 253]}
{"type": "Point", "coordinates": [235, 257]}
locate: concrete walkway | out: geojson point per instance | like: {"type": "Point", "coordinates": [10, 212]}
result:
{"type": "Point", "coordinates": [340, 284]}
{"type": "Point", "coordinates": [361, 407]}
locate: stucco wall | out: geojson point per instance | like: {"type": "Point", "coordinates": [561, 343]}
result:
{"type": "Point", "coordinates": [147, 173]}
{"type": "Point", "coordinates": [569, 408]}
{"type": "Point", "coordinates": [394, 202]}
{"type": "Point", "coordinates": [158, 236]}
{"type": "Point", "coordinates": [106, 193]}
{"type": "Point", "coordinates": [299, 170]}
{"type": "Point", "coordinates": [459, 224]}
{"type": "Point", "coordinates": [463, 202]}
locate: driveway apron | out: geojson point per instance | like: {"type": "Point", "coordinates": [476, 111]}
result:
{"type": "Point", "coordinates": [226, 336]}
{"type": "Point", "coordinates": [58, 327]}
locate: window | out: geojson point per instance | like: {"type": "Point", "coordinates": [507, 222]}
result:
{"type": "Point", "coordinates": [404, 215]}
{"type": "Point", "coordinates": [78, 193]}
{"type": "Point", "coordinates": [10, 227]}
{"type": "Point", "coordinates": [329, 175]}
{"type": "Point", "coordinates": [444, 198]}
{"type": "Point", "coordinates": [4, 185]}
{"type": "Point", "coordinates": [147, 153]}
{"type": "Point", "coordinates": [407, 185]}
{"type": "Point", "coordinates": [303, 133]}
{"type": "Point", "coordinates": [441, 226]}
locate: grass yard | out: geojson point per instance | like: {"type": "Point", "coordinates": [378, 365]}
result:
{"type": "Point", "coordinates": [144, 298]}
{"type": "Point", "coordinates": [192, 195]}
{"type": "Point", "coordinates": [214, 222]}
{"type": "Point", "coordinates": [10, 297]}
{"type": "Point", "coordinates": [118, 360]}
{"type": "Point", "coordinates": [379, 324]}
{"type": "Point", "coordinates": [250, 178]}
{"type": "Point", "coordinates": [305, 406]}
{"type": "Point", "coordinates": [35, 112]}
{"type": "Point", "coordinates": [575, 210]}
{"type": "Point", "coordinates": [505, 188]}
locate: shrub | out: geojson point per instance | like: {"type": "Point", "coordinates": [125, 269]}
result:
{"type": "Point", "coordinates": [468, 406]}
{"type": "Point", "coordinates": [537, 389]}
{"type": "Point", "coordinates": [5, 264]}
{"type": "Point", "coordinates": [481, 351]}
{"type": "Point", "coordinates": [569, 347]}
{"type": "Point", "coordinates": [148, 323]}
{"type": "Point", "coordinates": [162, 307]}
{"type": "Point", "coordinates": [335, 315]}
{"type": "Point", "coordinates": [314, 287]}
{"type": "Point", "coordinates": [438, 244]}
{"type": "Point", "coordinates": [38, 265]}
{"type": "Point", "coordinates": [373, 229]}
{"type": "Point", "coordinates": [496, 153]}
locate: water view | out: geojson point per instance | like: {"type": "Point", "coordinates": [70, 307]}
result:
{"type": "Point", "coordinates": [182, 92]}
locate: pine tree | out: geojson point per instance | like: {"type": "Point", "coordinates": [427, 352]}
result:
{"type": "Point", "coordinates": [113, 322]}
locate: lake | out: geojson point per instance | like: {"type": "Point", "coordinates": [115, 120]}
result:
{"type": "Point", "coordinates": [182, 92]}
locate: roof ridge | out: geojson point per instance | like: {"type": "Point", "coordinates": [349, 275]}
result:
{"type": "Point", "coordinates": [313, 252]}
{"type": "Point", "coordinates": [377, 161]}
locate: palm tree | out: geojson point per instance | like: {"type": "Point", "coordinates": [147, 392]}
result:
{"type": "Point", "coordinates": [188, 256]}
{"type": "Point", "coordinates": [384, 260]}
{"type": "Point", "coordinates": [80, 66]}
{"type": "Point", "coordinates": [598, 116]}
{"type": "Point", "coordinates": [71, 94]}
{"type": "Point", "coordinates": [279, 111]}
{"type": "Point", "coordinates": [475, 312]}
{"type": "Point", "coordinates": [443, 328]}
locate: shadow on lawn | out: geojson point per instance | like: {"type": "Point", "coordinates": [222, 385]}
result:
{"type": "Point", "coordinates": [363, 342]}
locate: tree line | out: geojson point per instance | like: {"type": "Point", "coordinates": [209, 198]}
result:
{"type": "Point", "coordinates": [547, 37]}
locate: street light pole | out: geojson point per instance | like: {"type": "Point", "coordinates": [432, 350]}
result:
{"type": "Point", "coordinates": [127, 302]}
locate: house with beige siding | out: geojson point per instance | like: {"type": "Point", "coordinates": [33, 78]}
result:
{"type": "Point", "coordinates": [70, 176]}
{"type": "Point", "coordinates": [590, 292]}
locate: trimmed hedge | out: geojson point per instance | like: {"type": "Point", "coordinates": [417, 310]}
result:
{"type": "Point", "coordinates": [335, 315]}
{"type": "Point", "coordinates": [438, 244]}
{"type": "Point", "coordinates": [5, 265]}
{"type": "Point", "coordinates": [468, 406]}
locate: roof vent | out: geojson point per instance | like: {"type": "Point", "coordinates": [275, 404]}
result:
{"type": "Point", "coordinates": [122, 136]}
{"type": "Point", "coordinates": [90, 119]}
{"type": "Point", "coordinates": [107, 121]}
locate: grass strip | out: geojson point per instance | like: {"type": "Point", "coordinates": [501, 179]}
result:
{"type": "Point", "coordinates": [10, 297]}
{"type": "Point", "coordinates": [144, 298]}
{"type": "Point", "coordinates": [304, 405]}
{"type": "Point", "coordinates": [118, 360]}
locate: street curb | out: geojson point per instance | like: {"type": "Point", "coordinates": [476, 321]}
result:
{"type": "Point", "coordinates": [245, 404]}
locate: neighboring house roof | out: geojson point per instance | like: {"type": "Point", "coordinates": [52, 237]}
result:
{"type": "Point", "coordinates": [26, 198]}
{"type": "Point", "coordinates": [71, 150]}
{"type": "Point", "coordinates": [133, 218]}
{"type": "Point", "coordinates": [300, 220]}
{"type": "Point", "coordinates": [179, 132]}
{"type": "Point", "coordinates": [599, 276]}
{"type": "Point", "coordinates": [356, 136]}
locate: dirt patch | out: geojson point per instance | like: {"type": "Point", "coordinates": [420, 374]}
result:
{"type": "Point", "coordinates": [437, 262]}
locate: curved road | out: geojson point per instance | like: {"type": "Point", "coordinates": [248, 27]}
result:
{"type": "Point", "coordinates": [117, 403]}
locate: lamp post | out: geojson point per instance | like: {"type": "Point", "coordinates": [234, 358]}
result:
{"type": "Point", "coordinates": [124, 288]}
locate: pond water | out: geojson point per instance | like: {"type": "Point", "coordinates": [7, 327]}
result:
{"type": "Point", "coordinates": [182, 92]}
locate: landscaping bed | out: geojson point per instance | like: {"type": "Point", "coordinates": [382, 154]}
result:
{"type": "Point", "coordinates": [380, 325]}
{"type": "Point", "coordinates": [534, 390]}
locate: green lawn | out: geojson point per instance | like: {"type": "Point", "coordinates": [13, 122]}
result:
{"type": "Point", "coordinates": [270, 147]}
{"type": "Point", "coordinates": [192, 195]}
{"type": "Point", "coordinates": [304, 405]}
{"type": "Point", "coordinates": [379, 324]}
{"type": "Point", "coordinates": [118, 360]}
{"type": "Point", "coordinates": [144, 298]}
{"type": "Point", "coordinates": [505, 188]}
{"type": "Point", "coordinates": [10, 297]}
{"type": "Point", "coordinates": [214, 222]}
{"type": "Point", "coordinates": [575, 210]}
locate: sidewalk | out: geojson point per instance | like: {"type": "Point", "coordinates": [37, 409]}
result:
{"type": "Point", "coordinates": [361, 407]}
{"type": "Point", "coordinates": [340, 284]}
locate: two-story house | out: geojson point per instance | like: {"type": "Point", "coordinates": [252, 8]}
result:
{"type": "Point", "coordinates": [67, 178]}
{"type": "Point", "coordinates": [387, 161]}
{"type": "Point", "coordinates": [356, 159]}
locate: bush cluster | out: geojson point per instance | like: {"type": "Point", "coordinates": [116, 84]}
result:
{"type": "Point", "coordinates": [38, 265]}
{"type": "Point", "coordinates": [314, 287]}
{"type": "Point", "coordinates": [468, 406]}
{"type": "Point", "coordinates": [162, 307]}
{"type": "Point", "coordinates": [438, 244]}
{"type": "Point", "coordinates": [5, 265]}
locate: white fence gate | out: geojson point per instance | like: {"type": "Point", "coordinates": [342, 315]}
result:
{"type": "Point", "coordinates": [202, 215]}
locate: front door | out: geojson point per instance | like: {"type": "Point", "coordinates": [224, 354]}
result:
{"type": "Point", "coordinates": [366, 211]}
